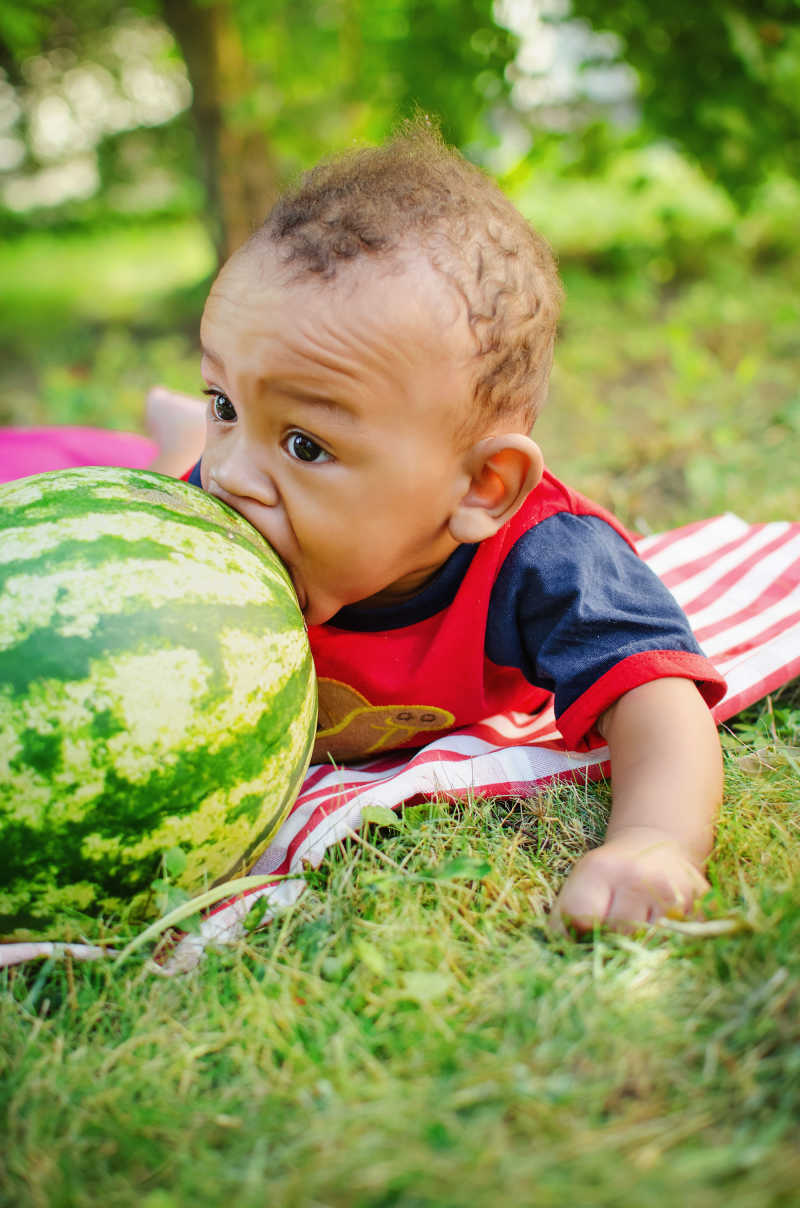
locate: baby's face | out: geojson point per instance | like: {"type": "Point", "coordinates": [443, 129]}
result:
{"type": "Point", "coordinates": [333, 420]}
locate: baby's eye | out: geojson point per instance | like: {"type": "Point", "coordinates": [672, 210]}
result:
{"type": "Point", "coordinates": [222, 409]}
{"type": "Point", "coordinates": [305, 448]}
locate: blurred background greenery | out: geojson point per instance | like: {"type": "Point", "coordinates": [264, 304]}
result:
{"type": "Point", "coordinates": [658, 149]}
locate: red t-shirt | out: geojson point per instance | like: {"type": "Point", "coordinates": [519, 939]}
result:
{"type": "Point", "coordinates": [555, 606]}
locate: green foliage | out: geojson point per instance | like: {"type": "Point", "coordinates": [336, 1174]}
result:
{"type": "Point", "coordinates": [722, 79]}
{"type": "Point", "coordinates": [312, 77]}
{"type": "Point", "coordinates": [28, 26]}
{"type": "Point", "coordinates": [93, 122]}
{"type": "Point", "coordinates": [674, 391]}
{"type": "Point", "coordinates": [327, 72]}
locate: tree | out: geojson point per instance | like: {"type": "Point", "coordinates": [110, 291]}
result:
{"type": "Point", "coordinates": [236, 156]}
{"type": "Point", "coordinates": [722, 79]}
{"type": "Point", "coordinates": [276, 86]}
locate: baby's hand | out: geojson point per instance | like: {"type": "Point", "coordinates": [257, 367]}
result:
{"type": "Point", "coordinates": [639, 874]}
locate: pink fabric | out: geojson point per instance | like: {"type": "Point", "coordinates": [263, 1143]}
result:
{"type": "Point", "coordinates": [25, 451]}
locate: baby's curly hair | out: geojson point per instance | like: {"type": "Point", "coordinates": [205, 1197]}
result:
{"type": "Point", "coordinates": [415, 191]}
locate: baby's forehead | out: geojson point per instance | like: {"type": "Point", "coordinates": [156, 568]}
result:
{"type": "Point", "coordinates": [398, 323]}
{"type": "Point", "coordinates": [405, 288]}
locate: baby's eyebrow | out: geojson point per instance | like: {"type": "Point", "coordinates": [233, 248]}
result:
{"type": "Point", "coordinates": [209, 354]}
{"type": "Point", "coordinates": [322, 402]}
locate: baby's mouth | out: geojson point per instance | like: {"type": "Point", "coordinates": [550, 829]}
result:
{"type": "Point", "coordinates": [299, 591]}
{"type": "Point", "coordinates": [250, 509]}
{"type": "Point", "coordinates": [302, 599]}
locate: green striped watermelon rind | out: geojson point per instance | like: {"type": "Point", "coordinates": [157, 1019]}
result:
{"type": "Point", "coordinates": [126, 709]}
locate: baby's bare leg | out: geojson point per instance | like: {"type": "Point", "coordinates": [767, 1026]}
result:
{"type": "Point", "coordinates": [177, 423]}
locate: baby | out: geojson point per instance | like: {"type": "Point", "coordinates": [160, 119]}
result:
{"type": "Point", "coordinates": [375, 358]}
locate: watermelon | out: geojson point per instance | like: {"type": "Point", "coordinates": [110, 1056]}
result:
{"type": "Point", "coordinates": [156, 692]}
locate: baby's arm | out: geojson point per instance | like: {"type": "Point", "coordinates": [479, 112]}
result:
{"type": "Point", "coordinates": [666, 773]}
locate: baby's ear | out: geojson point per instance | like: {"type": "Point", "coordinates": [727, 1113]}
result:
{"type": "Point", "coordinates": [503, 471]}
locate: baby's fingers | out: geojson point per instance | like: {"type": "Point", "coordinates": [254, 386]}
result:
{"type": "Point", "coordinates": [582, 904]}
{"type": "Point", "coordinates": [626, 894]}
{"type": "Point", "coordinates": [646, 900]}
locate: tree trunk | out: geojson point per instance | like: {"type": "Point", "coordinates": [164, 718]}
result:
{"type": "Point", "coordinates": [237, 162]}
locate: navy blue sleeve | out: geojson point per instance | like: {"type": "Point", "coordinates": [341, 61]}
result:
{"type": "Point", "coordinates": [573, 601]}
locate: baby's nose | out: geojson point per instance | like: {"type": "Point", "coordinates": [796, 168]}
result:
{"type": "Point", "coordinates": [235, 476]}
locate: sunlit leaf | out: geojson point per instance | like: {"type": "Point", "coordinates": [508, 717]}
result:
{"type": "Point", "coordinates": [463, 868]}
{"type": "Point", "coordinates": [380, 815]}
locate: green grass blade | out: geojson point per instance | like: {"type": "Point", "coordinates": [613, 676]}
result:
{"type": "Point", "coordinates": [228, 889]}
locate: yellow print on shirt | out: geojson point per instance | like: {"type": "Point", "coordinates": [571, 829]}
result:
{"type": "Point", "coordinates": [349, 727]}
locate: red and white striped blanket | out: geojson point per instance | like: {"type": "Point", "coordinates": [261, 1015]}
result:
{"type": "Point", "coordinates": [738, 583]}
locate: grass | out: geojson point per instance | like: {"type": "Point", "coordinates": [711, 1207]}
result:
{"type": "Point", "coordinates": [398, 1039]}
{"type": "Point", "coordinates": [92, 319]}
{"type": "Point", "coordinates": [669, 404]}
{"type": "Point", "coordinates": [676, 375]}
